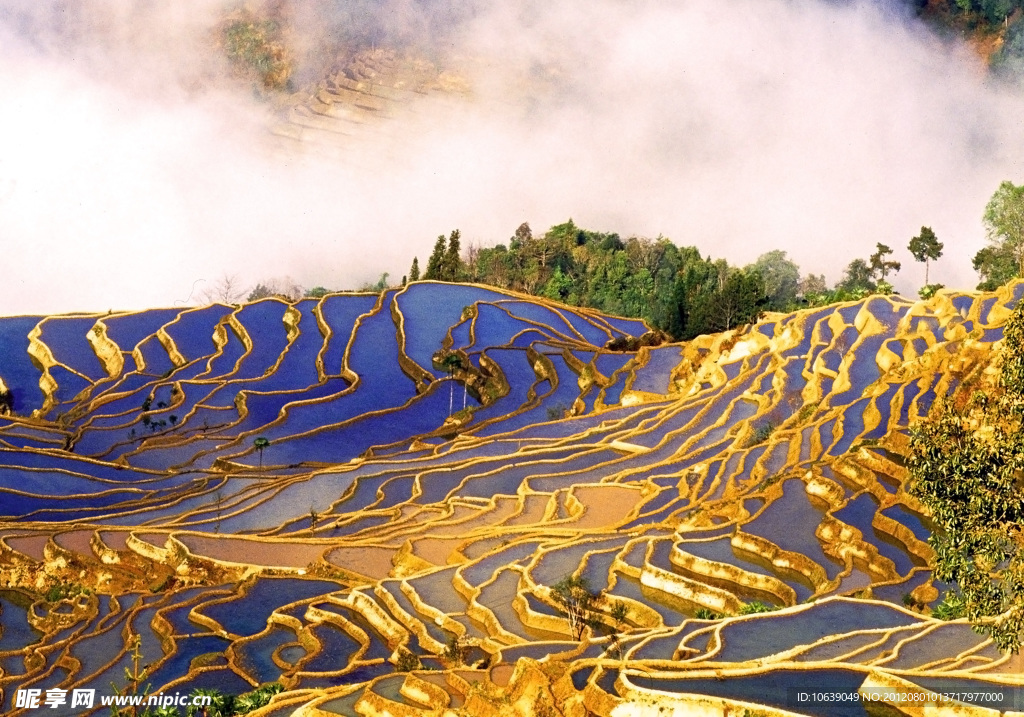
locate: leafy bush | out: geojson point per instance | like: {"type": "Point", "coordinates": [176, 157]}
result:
{"type": "Point", "coordinates": [407, 662]}
{"type": "Point", "coordinates": [909, 601]}
{"type": "Point", "coordinates": [705, 614]}
{"type": "Point", "coordinates": [965, 468]}
{"type": "Point", "coordinates": [761, 434]}
{"type": "Point", "coordinates": [61, 591]}
{"type": "Point", "coordinates": [454, 651]}
{"type": "Point", "coordinates": [951, 607]}
{"type": "Point", "coordinates": [576, 600]}
{"type": "Point", "coordinates": [1010, 58]}
{"type": "Point", "coordinates": [251, 45]}
{"type": "Point", "coordinates": [756, 607]}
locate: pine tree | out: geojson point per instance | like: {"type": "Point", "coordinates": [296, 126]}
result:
{"type": "Point", "coordinates": [451, 264]}
{"type": "Point", "coordinates": [434, 264]}
{"type": "Point", "coordinates": [414, 272]}
{"type": "Point", "coordinates": [925, 247]}
{"type": "Point", "coordinates": [880, 266]}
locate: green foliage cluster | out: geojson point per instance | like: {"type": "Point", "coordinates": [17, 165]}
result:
{"type": "Point", "coordinates": [221, 705]}
{"type": "Point", "coordinates": [1009, 59]}
{"type": "Point", "coordinates": [756, 607]}
{"type": "Point", "coordinates": [706, 614]}
{"type": "Point", "coordinates": [984, 20]}
{"type": "Point", "coordinates": [254, 46]}
{"type": "Point", "coordinates": [261, 443]}
{"type": "Point", "coordinates": [951, 607]}
{"type": "Point", "coordinates": [925, 247]}
{"type": "Point", "coordinates": [271, 289]}
{"type": "Point", "coordinates": [454, 651]}
{"type": "Point", "coordinates": [62, 591]}
{"type": "Point", "coordinates": [862, 278]}
{"type": "Point", "coordinates": [380, 285]}
{"type": "Point", "coordinates": [967, 467]}
{"type": "Point", "coordinates": [406, 662]}
{"type": "Point", "coordinates": [577, 601]}
{"type": "Point", "coordinates": [675, 289]}
{"type": "Point", "coordinates": [1003, 258]}
{"type": "Point", "coordinates": [985, 12]}
{"type": "Point", "coordinates": [761, 434]}
{"type": "Point", "coordinates": [445, 263]}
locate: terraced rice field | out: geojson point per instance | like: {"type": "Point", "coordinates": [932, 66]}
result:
{"type": "Point", "coordinates": [401, 507]}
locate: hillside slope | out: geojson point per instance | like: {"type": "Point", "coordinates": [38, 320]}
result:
{"type": "Point", "coordinates": [436, 460]}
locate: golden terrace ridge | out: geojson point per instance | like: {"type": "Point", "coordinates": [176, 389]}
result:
{"type": "Point", "coordinates": [446, 471]}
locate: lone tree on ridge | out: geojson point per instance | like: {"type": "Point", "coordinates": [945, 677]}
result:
{"type": "Point", "coordinates": [925, 247]}
{"type": "Point", "coordinates": [259, 444]}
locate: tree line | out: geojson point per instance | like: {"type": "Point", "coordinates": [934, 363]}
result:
{"type": "Point", "coordinates": [684, 293]}
{"type": "Point", "coordinates": [675, 289]}
{"type": "Point", "coordinates": [996, 24]}
{"type": "Point", "coordinates": [966, 467]}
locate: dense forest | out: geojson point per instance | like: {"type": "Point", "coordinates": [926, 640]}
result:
{"type": "Point", "coordinates": [676, 289]}
{"type": "Point", "coordinates": [683, 293]}
{"type": "Point", "coordinates": [994, 27]}
{"type": "Point", "coordinates": [673, 288]}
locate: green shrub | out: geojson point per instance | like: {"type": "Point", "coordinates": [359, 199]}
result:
{"type": "Point", "coordinates": [951, 607]}
{"type": "Point", "coordinates": [756, 607]}
{"type": "Point", "coordinates": [705, 614]}
{"type": "Point", "coordinates": [761, 434]}
{"type": "Point", "coordinates": [407, 662]}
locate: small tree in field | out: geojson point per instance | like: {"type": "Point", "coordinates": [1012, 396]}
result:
{"type": "Point", "coordinates": [449, 363]}
{"type": "Point", "coordinates": [925, 247]}
{"type": "Point", "coordinates": [573, 595]}
{"type": "Point", "coordinates": [259, 444]}
{"type": "Point", "coordinates": [313, 518]}
{"type": "Point", "coordinates": [881, 266]}
{"type": "Point", "coordinates": [1004, 223]}
{"type": "Point", "coordinates": [454, 652]}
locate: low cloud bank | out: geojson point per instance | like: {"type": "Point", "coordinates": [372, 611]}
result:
{"type": "Point", "coordinates": [135, 173]}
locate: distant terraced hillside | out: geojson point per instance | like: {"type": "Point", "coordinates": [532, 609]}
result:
{"type": "Point", "coordinates": [361, 96]}
{"type": "Point", "coordinates": [436, 460]}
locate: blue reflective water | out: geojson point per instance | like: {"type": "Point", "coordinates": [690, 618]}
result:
{"type": "Point", "coordinates": [776, 688]}
{"type": "Point", "coordinates": [340, 312]}
{"type": "Point", "coordinates": [192, 332]}
{"type": "Point", "coordinates": [790, 522]}
{"type": "Point", "coordinates": [65, 336]}
{"type": "Point", "coordinates": [653, 376]}
{"type": "Point", "coordinates": [15, 631]}
{"type": "Point", "coordinates": [248, 614]}
{"type": "Point", "coordinates": [337, 648]}
{"type": "Point", "coordinates": [69, 385]}
{"type": "Point", "coordinates": [255, 656]}
{"type": "Point", "coordinates": [429, 311]}
{"type": "Point", "coordinates": [494, 326]}
{"type": "Point", "coordinates": [909, 519]}
{"type": "Point", "coordinates": [127, 330]}
{"type": "Point", "coordinates": [759, 637]}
